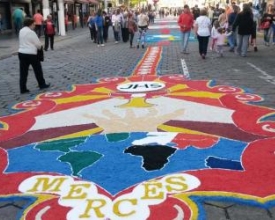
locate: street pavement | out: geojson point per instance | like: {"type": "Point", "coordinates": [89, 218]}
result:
{"type": "Point", "coordinates": [76, 60]}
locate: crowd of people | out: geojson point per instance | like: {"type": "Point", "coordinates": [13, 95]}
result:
{"type": "Point", "coordinates": [124, 25]}
{"type": "Point", "coordinates": [231, 25]}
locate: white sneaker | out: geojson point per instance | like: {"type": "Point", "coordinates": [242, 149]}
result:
{"type": "Point", "coordinates": [116, 42]}
{"type": "Point", "coordinates": [98, 45]}
{"type": "Point", "coordinates": [102, 45]}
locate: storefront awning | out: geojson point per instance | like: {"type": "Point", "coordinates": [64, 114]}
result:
{"type": "Point", "coordinates": [69, 1]}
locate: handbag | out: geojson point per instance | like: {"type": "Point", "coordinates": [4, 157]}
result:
{"type": "Point", "coordinates": [40, 54]}
{"type": "Point", "coordinates": [265, 25]}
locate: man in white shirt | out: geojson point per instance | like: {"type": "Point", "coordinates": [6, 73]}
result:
{"type": "Point", "coordinates": [116, 22]}
{"type": "Point", "coordinates": [29, 43]}
{"type": "Point", "coordinates": [143, 22]}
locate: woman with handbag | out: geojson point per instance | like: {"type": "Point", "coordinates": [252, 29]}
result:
{"type": "Point", "coordinates": [29, 44]}
{"type": "Point", "coordinates": [266, 22]}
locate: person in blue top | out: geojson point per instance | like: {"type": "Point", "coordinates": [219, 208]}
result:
{"type": "Point", "coordinates": [18, 17]}
{"type": "Point", "coordinates": [231, 18]}
{"type": "Point", "coordinates": [99, 27]}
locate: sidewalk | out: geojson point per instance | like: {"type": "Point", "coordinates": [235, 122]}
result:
{"type": "Point", "coordinates": [9, 41]}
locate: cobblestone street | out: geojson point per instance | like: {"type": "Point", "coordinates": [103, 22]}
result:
{"type": "Point", "coordinates": [77, 60]}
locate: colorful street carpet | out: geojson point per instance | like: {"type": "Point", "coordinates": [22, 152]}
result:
{"type": "Point", "coordinates": [139, 147]}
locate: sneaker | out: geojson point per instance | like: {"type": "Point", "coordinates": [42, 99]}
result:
{"type": "Point", "coordinates": [102, 45]}
{"type": "Point", "coordinates": [203, 56]}
{"type": "Point", "coordinates": [45, 86]}
{"type": "Point", "coordinates": [98, 45]}
{"type": "Point", "coordinates": [137, 46]}
{"type": "Point", "coordinates": [142, 46]}
{"type": "Point", "coordinates": [116, 42]}
{"type": "Point", "coordinates": [255, 49]}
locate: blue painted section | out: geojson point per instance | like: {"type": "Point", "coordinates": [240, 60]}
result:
{"type": "Point", "coordinates": [173, 36]}
{"type": "Point", "coordinates": [114, 171]}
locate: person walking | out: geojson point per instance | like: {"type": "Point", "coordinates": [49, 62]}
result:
{"type": "Point", "coordinates": [195, 11]}
{"type": "Point", "coordinates": [143, 22]}
{"type": "Point", "coordinates": [38, 19]}
{"type": "Point", "coordinates": [116, 21]}
{"type": "Point", "coordinates": [221, 36]}
{"type": "Point", "coordinates": [185, 22]}
{"type": "Point", "coordinates": [29, 43]}
{"type": "Point", "coordinates": [99, 27]}
{"type": "Point", "coordinates": [214, 34]}
{"type": "Point", "coordinates": [106, 24]}
{"type": "Point", "coordinates": [18, 17]}
{"type": "Point", "coordinates": [202, 30]}
{"type": "Point", "coordinates": [267, 21]}
{"type": "Point", "coordinates": [256, 18]}
{"type": "Point", "coordinates": [216, 13]}
{"type": "Point", "coordinates": [91, 25]}
{"type": "Point", "coordinates": [231, 18]}
{"type": "Point", "coordinates": [49, 32]}
{"type": "Point", "coordinates": [244, 22]}
{"type": "Point", "coordinates": [132, 27]}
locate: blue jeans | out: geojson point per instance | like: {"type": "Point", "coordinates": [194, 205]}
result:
{"type": "Point", "coordinates": [184, 40]}
{"type": "Point", "coordinates": [273, 29]}
{"type": "Point", "coordinates": [116, 34]}
{"type": "Point", "coordinates": [232, 40]}
{"type": "Point", "coordinates": [99, 35]}
{"type": "Point", "coordinates": [267, 34]}
{"type": "Point", "coordinates": [141, 35]}
{"type": "Point", "coordinates": [242, 45]}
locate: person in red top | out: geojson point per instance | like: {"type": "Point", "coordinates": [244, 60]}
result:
{"type": "Point", "coordinates": [38, 19]}
{"type": "Point", "coordinates": [185, 22]}
{"type": "Point", "coordinates": [49, 31]}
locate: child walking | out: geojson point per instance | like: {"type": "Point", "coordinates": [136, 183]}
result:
{"type": "Point", "coordinates": [220, 40]}
{"type": "Point", "coordinates": [214, 33]}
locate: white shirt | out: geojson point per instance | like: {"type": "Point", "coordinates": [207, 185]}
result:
{"type": "Point", "coordinates": [203, 23]}
{"type": "Point", "coordinates": [143, 20]}
{"type": "Point", "coordinates": [221, 39]}
{"type": "Point", "coordinates": [116, 18]}
{"type": "Point", "coordinates": [214, 33]}
{"type": "Point", "coordinates": [28, 41]}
